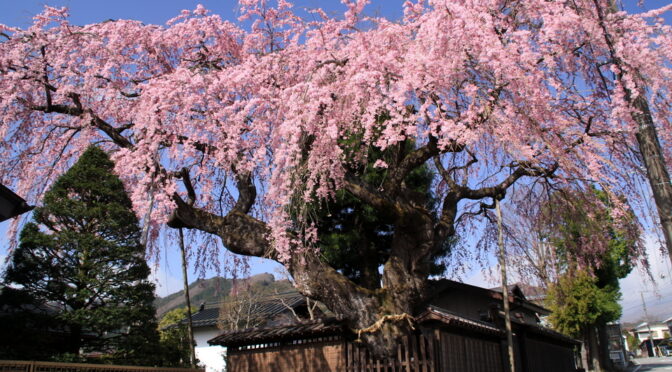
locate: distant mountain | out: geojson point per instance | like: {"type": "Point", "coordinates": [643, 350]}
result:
{"type": "Point", "coordinates": [218, 289]}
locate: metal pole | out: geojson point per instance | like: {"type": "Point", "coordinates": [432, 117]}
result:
{"type": "Point", "coordinates": [190, 328]}
{"type": "Point", "coordinates": [505, 289]}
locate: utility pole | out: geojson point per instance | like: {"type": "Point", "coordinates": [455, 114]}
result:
{"type": "Point", "coordinates": [190, 328]}
{"type": "Point", "coordinates": [505, 290]}
{"type": "Point", "coordinates": [648, 325]}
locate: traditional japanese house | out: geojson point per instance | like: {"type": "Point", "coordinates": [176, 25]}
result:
{"type": "Point", "coordinates": [460, 329]}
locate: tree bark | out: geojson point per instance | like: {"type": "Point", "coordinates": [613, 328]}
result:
{"type": "Point", "coordinates": [647, 139]}
{"type": "Point", "coordinates": [592, 350]}
{"type": "Point", "coordinates": [656, 170]}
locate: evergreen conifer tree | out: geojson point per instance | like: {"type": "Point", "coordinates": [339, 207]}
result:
{"type": "Point", "coordinates": [82, 256]}
{"type": "Point", "coordinates": [354, 238]}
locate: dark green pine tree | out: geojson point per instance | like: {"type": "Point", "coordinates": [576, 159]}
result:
{"type": "Point", "coordinates": [82, 256]}
{"type": "Point", "coordinates": [354, 237]}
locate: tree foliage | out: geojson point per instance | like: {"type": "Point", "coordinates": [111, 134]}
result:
{"type": "Point", "coordinates": [577, 302]}
{"type": "Point", "coordinates": [231, 129]}
{"type": "Point", "coordinates": [174, 338]}
{"type": "Point", "coordinates": [82, 256]}
{"type": "Point", "coordinates": [590, 252]}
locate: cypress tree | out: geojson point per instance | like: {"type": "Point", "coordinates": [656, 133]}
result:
{"type": "Point", "coordinates": [82, 255]}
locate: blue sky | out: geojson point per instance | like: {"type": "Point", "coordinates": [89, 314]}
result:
{"type": "Point", "coordinates": [19, 13]}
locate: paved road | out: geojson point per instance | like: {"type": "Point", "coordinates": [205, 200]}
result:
{"type": "Point", "coordinates": [652, 364]}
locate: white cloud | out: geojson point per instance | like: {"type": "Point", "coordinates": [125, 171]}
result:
{"type": "Point", "coordinates": [483, 277]}
{"type": "Point", "coordinates": [657, 289]}
{"type": "Point", "coordinates": [166, 282]}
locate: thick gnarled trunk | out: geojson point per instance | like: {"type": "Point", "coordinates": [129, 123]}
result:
{"type": "Point", "coordinates": [377, 317]}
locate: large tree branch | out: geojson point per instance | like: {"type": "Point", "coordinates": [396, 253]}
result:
{"type": "Point", "coordinates": [499, 190]}
{"type": "Point", "coordinates": [240, 232]}
{"type": "Point", "coordinates": [375, 198]}
{"type": "Point", "coordinates": [445, 225]}
{"type": "Point", "coordinates": [77, 110]}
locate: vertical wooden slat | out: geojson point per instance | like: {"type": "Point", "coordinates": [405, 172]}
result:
{"type": "Point", "coordinates": [355, 359]}
{"type": "Point", "coordinates": [413, 346]}
{"type": "Point", "coordinates": [407, 354]}
{"type": "Point", "coordinates": [397, 365]}
{"type": "Point", "coordinates": [356, 356]}
{"type": "Point", "coordinates": [347, 356]}
{"type": "Point", "coordinates": [423, 353]}
{"type": "Point", "coordinates": [432, 352]}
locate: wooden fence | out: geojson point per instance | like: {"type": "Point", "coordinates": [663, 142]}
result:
{"type": "Point", "coordinates": [31, 366]}
{"type": "Point", "coordinates": [414, 353]}
{"type": "Point", "coordinates": [431, 352]}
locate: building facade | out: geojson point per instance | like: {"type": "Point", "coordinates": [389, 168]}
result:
{"type": "Point", "coordinates": [650, 337]}
{"type": "Point", "coordinates": [460, 329]}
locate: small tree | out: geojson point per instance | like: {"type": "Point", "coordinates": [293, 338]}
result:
{"type": "Point", "coordinates": [590, 253]}
{"type": "Point", "coordinates": [82, 254]}
{"type": "Point", "coordinates": [175, 338]}
{"type": "Point", "coordinates": [240, 310]}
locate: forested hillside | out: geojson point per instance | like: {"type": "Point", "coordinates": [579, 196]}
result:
{"type": "Point", "coordinates": [218, 289]}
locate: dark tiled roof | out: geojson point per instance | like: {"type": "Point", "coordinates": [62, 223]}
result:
{"type": "Point", "coordinates": [314, 328]}
{"type": "Point", "coordinates": [331, 327]}
{"type": "Point", "coordinates": [529, 292]}
{"type": "Point", "coordinates": [549, 333]}
{"type": "Point", "coordinates": [444, 316]}
{"type": "Point", "coordinates": [266, 308]}
{"type": "Point", "coordinates": [526, 296]}
{"type": "Point", "coordinates": [204, 318]}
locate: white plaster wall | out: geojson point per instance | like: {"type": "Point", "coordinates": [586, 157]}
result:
{"type": "Point", "coordinates": [212, 357]}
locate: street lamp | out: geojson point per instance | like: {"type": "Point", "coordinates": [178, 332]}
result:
{"type": "Point", "coordinates": [11, 205]}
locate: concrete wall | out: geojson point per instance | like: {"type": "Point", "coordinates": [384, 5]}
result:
{"type": "Point", "coordinates": [211, 357]}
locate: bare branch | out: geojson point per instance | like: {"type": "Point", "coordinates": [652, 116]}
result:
{"type": "Point", "coordinates": [337, 62]}
{"type": "Point", "coordinates": [77, 110]}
